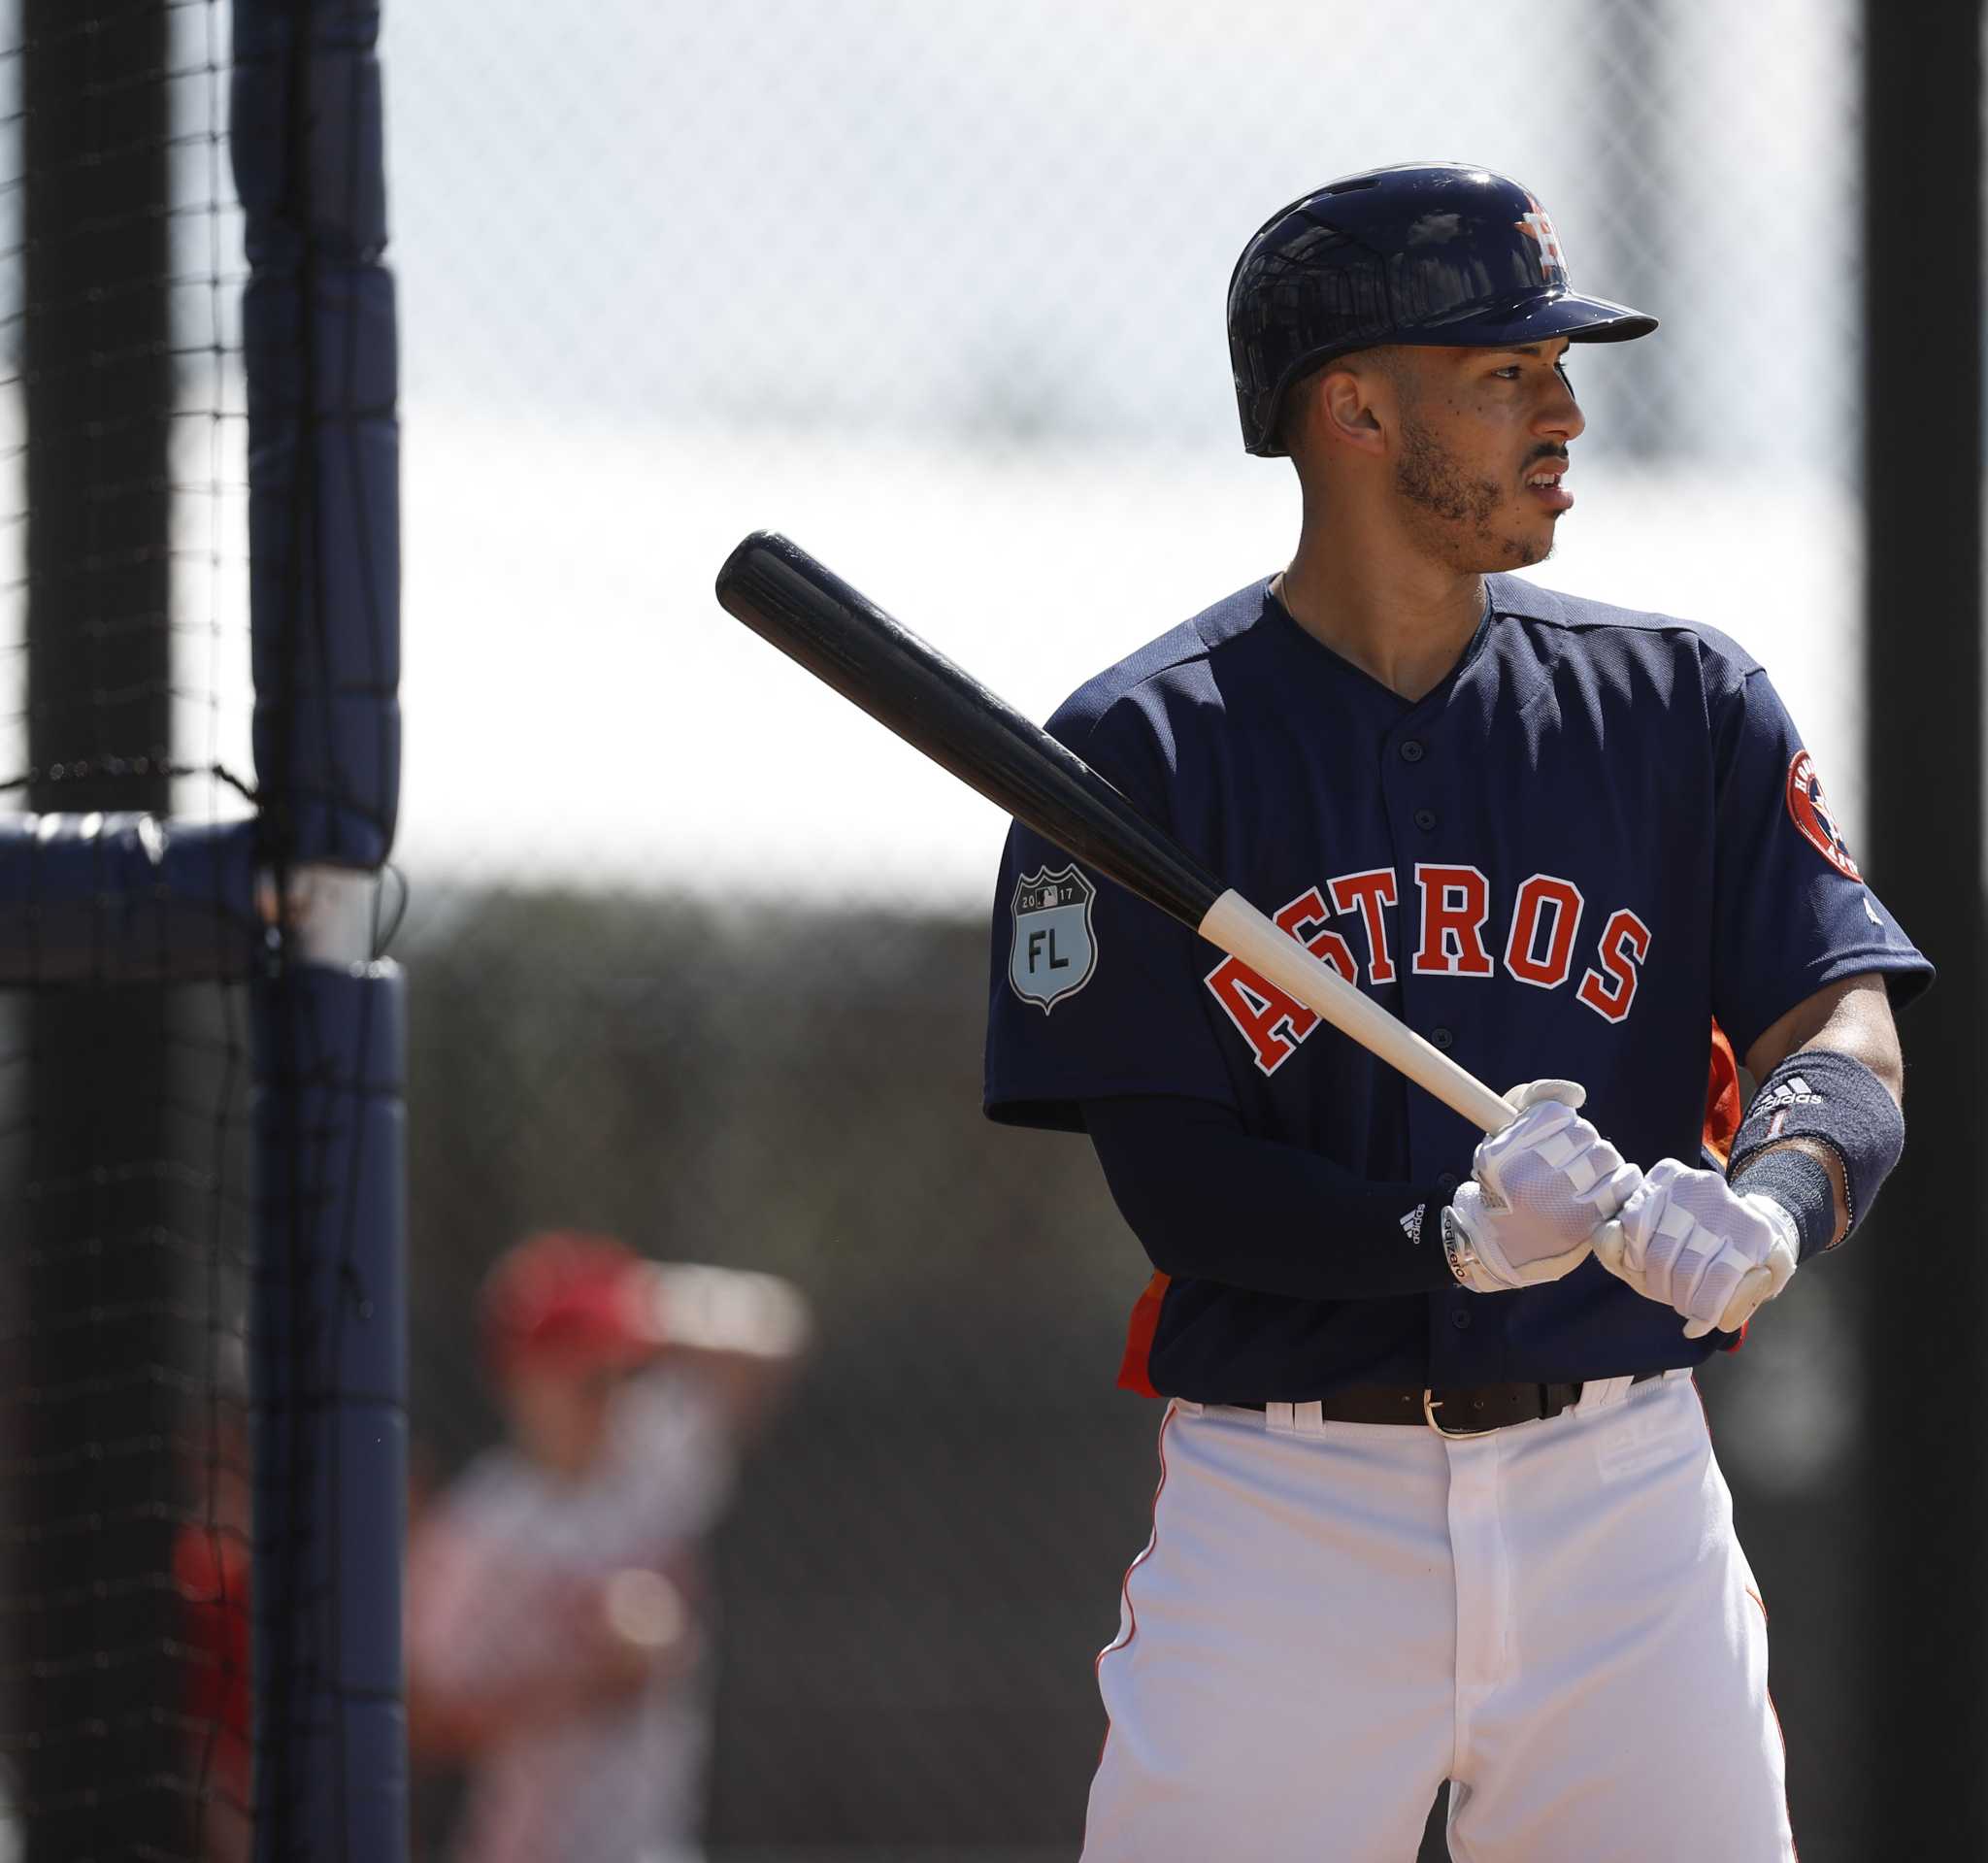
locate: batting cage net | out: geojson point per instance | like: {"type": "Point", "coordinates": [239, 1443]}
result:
{"type": "Point", "coordinates": [701, 956]}
{"type": "Point", "coordinates": [200, 1450]}
{"type": "Point", "coordinates": [122, 1366]}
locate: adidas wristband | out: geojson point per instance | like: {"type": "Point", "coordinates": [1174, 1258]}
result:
{"type": "Point", "coordinates": [1833, 1099]}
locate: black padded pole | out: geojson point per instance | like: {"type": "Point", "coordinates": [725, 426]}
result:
{"type": "Point", "coordinates": [1922, 1268]}
{"type": "Point", "coordinates": [96, 1685]}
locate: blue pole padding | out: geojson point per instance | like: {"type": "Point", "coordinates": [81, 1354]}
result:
{"type": "Point", "coordinates": [126, 899]}
{"type": "Point", "coordinates": [330, 1412]}
{"type": "Point", "coordinates": [319, 339]}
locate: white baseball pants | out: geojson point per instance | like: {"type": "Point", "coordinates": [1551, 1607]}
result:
{"type": "Point", "coordinates": [1332, 1619]}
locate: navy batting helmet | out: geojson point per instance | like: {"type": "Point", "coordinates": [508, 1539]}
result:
{"type": "Point", "coordinates": [1428, 252]}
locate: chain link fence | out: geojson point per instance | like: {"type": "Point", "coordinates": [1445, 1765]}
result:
{"type": "Point", "coordinates": [930, 289]}
{"type": "Point", "coordinates": [697, 955]}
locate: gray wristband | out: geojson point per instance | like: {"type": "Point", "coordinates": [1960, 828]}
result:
{"type": "Point", "coordinates": [1799, 1181]}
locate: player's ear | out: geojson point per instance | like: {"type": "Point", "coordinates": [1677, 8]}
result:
{"type": "Point", "coordinates": [1346, 408]}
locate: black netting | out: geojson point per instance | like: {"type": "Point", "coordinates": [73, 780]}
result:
{"type": "Point", "coordinates": [123, 1180]}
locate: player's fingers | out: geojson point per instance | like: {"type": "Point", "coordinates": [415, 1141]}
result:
{"type": "Point", "coordinates": [1672, 1265]}
{"type": "Point", "coordinates": [1611, 1249]}
{"type": "Point", "coordinates": [1616, 1190]}
{"type": "Point", "coordinates": [1627, 1233]}
{"type": "Point", "coordinates": [1531, 1092]}
{"type": "Point", "coordinates": [1538, 1124]}
{"type": "Point", "coordinates": [1563, 1144]}
{"type": "Point", "coordinates": [1668, 1173]}
{"type": "Point", "coordinates": [1537, 1131]}
{"type": "Point", "coordinates": [1598, 1174]}
{"type": "Point", "coordinates": [1756, 1287]}
{"type": "Point", "coordinates": [1719, 1288]}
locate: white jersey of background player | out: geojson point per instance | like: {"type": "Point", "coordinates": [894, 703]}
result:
{"type": "Point", "coordinates": [558, 1613]}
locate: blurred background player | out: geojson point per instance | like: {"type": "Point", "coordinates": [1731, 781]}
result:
{"type": "Point", "coordinates": [559, 1613]}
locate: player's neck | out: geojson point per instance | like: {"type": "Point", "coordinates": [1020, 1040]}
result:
{"type": "Point", "coordinates": [1403, 620]}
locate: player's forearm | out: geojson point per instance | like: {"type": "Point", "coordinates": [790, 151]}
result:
{"type": "Point", "coordinates": [1825, 1128]}
{"type": "Point", "coordinates": [1853, 1017]}
{"type": "Point", "coordinates": [741, 1334]}
{"type": "Point", "coordinates": [1211, 1202]}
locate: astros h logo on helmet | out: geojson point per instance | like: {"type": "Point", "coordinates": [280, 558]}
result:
{"type": "Point", "coordinates": [1538, 226]}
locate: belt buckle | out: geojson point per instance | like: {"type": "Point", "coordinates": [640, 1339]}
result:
{"type": "Point", "coordinates": [1431, 1404]}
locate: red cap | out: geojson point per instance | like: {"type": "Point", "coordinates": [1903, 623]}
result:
{"type": "Point", "coordinates": [564, 1296]}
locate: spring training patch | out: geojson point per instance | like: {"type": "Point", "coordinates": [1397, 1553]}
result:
{"type": "Point", "coordinates": [1053, 954]}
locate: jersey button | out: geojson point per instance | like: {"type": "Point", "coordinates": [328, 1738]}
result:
{"type": "Point", "coordinates": [1460, 1319]}
{"type": "Point", "coordinates": [1443, 1038]}
{"type": "Point", "coordinates": [1425, 820]}
{"type": "Point", "coordinates": [1411, 749]}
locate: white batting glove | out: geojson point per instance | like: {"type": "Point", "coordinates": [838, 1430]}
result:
{"type": "Point", "coordinates": [1539, 1189]}
{"type": "Point", "coordinates": [1687, 1240]}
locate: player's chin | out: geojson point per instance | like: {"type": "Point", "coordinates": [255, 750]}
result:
{"type": "Point", "coordinates": [1519, 547]}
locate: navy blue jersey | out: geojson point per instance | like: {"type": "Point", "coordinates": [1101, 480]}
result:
{"type": "Point", "coordinates": [1599, 836]}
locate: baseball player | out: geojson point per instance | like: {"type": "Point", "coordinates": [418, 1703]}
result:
{"type": "Point", "coordinates": [1437, 1500]}
{"type": "Point", "coordinates": [557, 1597]}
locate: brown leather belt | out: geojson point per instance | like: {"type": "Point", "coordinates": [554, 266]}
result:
{"type": "Point", "coordinates": [1466, 1410]}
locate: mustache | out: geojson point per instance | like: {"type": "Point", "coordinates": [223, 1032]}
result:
{"type": "Point", "coordinates": [1549, 453]}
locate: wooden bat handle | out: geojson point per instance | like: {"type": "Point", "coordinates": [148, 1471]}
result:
{"type": "Point", "coordinates": [1245, 934]}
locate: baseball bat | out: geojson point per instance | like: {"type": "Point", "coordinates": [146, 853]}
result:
{"type": "Point", "coordinates": [814, 617]}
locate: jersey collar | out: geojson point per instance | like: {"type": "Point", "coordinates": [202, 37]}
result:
{"type": "Point", "coordinates": [1286, 624]}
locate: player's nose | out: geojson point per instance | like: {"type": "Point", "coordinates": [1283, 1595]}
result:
{"type": "Point", "coordinates": [1560, 415]}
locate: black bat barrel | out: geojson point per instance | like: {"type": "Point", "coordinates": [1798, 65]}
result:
{"type": "Point", "coordinates": [807, 611]}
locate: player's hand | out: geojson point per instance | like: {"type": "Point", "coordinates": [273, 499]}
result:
{"type": "Point", "coordinates": [1537, 1192]}
{"type": "Point", "coordinates": [637, 1623]}
{"type": "Point", "coordinates": [1687, 1240]}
